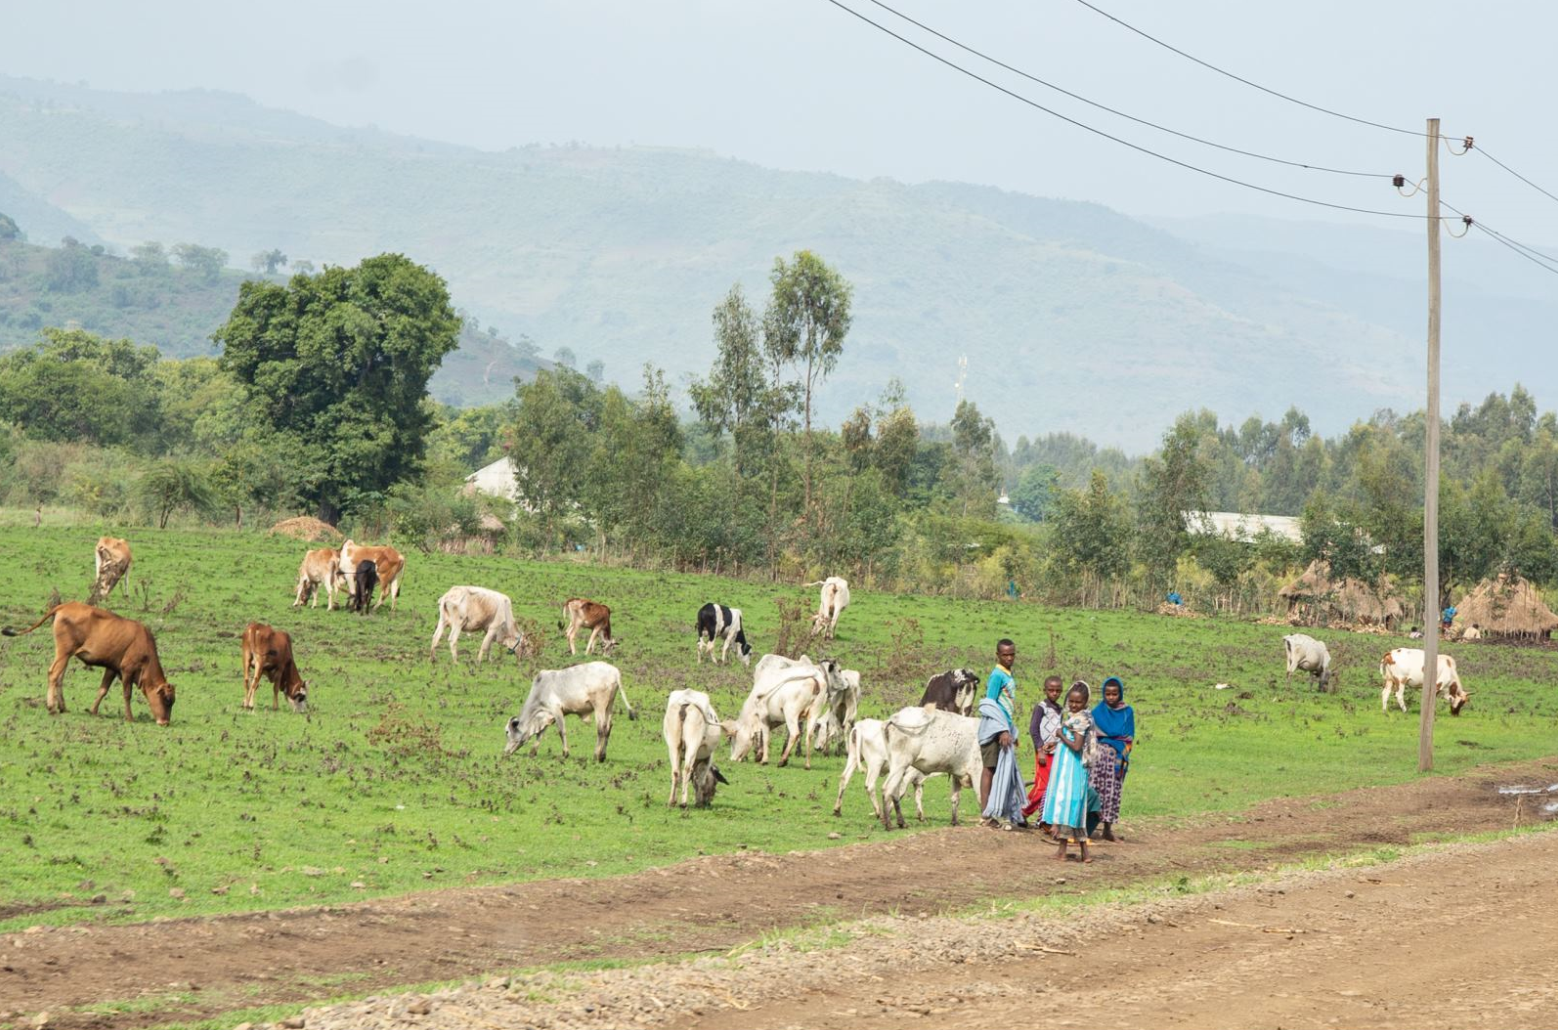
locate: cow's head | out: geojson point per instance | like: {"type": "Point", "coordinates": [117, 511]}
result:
{"type": "Point", "coordinates": [299, 697]}
{"type": "Point", "coordinates": [705, 776]}
{"type": "Point", "coordinates": [1458, 699]}
{"type": "Point", "coordinates": [744, 651]}
{"type": "Point", "coordinates": [160, 698]}
{"type": "Point", "coordinates": [744, 734]}
{"type": "Point", "coordinates": [527, 725]}
{"type": "Point", "coordinates": [514, 643]}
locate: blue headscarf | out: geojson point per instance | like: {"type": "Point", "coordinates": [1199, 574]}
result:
{"type": "Point", "coordinates": [1116, 726]}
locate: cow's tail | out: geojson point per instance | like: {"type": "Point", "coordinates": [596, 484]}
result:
{"type": "Point", "coordinates": [562, 622]}
{"type": "Point", "coordinates": [8, 631]}
{"type": "Point", "coordinates": [623, 694]}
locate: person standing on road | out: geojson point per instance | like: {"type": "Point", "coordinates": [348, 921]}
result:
{"type": "Point", "coordinates": [1044, 728]}
{"type": "Point", "coordinates": [1002, 689]}
{"type": "Point", "coordinates": [1066, 801]}
{"type": "Point", "coordinates": [1116, 723]}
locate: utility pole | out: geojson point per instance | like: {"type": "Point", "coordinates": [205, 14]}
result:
{"type": "Point", "coordinates": [1425, 724]}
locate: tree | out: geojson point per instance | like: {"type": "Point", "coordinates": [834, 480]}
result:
{"type": "Point", "coordinates": [304, 267]}
{"type": "Point", "coordinates": [1174, 483]}
{"type": "Point", "coordinates": [974, 476]}
{"type": "Point", "coordinates": [736, 397]}
{"type": "Point", "coordinates": [596, 370]}
{"type": "Point", "coordinates": [70, 269]}
{"type": "Point", "coordinates": [805, 325]}
{"type": "Point", "coordinates": [1034, 496]}
{"type": "Point", "coordinates": [564, 356]}
{"type": "Point", "coordinates": [206, 262]}
{"type": "Point", "coordinates": [1092, 533]}
{"type": "Point", "coordinates": [551, 440]}
{"type": "Point", "coordinates": [76, 386]}
{"type": "Point", "coordinates": [337, 366]}
{"type": "Point", "coordinates": [177, 485]}
{"type": "Point", "coordinates": [8, 229]}
{"type": "Point", "coordinates": [268, 261]}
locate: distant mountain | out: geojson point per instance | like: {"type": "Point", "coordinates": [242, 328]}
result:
{"type": "Point", "coordinates": [1071, 316]}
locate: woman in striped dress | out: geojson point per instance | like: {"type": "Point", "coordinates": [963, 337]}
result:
{"type": "Point", "coordinates": [1065, 802]}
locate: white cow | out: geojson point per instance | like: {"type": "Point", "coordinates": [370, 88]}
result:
{"type": "Point", "coordinates": [583, 690]}
{"type": "Point", "coordinates": [1403, 668]}
{"type": "Point", "coordinates": [835, 598]}
{"type": "Point", "coordinates": [1310, 655]}
{"type": "Point", "coordinates": [470, 609]}
{"type": "Point", "coordinates": [927, 741]}
{"type": "Point", "coordinates": [692, 732]}
{"type": "Point", "coordinates": [833, 716]}
{"type": "Point", "coordinates": [782, 696]}
{"type": "Point", "coordinates": [319, 568]}
{"type": "Point", "coordinates": [867, 749]}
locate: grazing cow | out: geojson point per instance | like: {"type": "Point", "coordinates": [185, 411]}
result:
{"type": "Point", "coordinates": [578, 614]}
{"type": "Point", "coordinates": [1403, 668]}
{"type": "Point", "coordinates": [770, 662]}
{"type": "Point", "coordinates": [835, 598]}
{"type": "Point", "coordinates": [470, 609]}
{"type": "Point", "coordinates": [715, 623]}
{"type": "Point", "coordinates": [584, 690]}
{"type": "Point", "coordinates": [928, 741]}
{"type": "Point", "coordinates": [110, 566]}
{"type": "Point", "coordinates": [387, 563]}
{"type": "Point", "coordinates": [1309, 655]}
{"type": "Point", "coordinates": [782, 696]}
{"type": "Point", "coordinates": [363, 581]}
{"type": "Point", "coordinates": [868, 750]}
{"type": "Point", "coordinates": [692, 732]}
{"type": "Point", "coordinates": [833, 714]}
{"type": "Point", "coordinates": [320, 568]}
{"type": "Point", "coordinates": [102, 640]}
{"type": "Point", "coordinates": [268, 652]}
{"type": "Point", "coordinates": [952, 691]}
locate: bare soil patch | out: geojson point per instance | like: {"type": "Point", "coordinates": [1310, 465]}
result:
{"type": "Point", "coordinates": [209, 966]}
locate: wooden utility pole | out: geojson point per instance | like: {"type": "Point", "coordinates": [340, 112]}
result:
{"type": "Point", "coordinates": [1425, 725]}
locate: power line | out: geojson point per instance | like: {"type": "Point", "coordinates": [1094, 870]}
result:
{"type": "Point", "coordinates": [1247, 82]}
{"type": "Point", "coordinates": [1516, 174]}
{"type": "Point", "coordinates": [1545, 262]}
{"type": "Point", "coordinates": [1123, 142]}
{"type": "Point", "coordinates": [1114, 111]}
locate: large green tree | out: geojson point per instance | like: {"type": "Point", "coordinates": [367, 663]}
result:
{"type": "Point", "coordinates": [337, 365]}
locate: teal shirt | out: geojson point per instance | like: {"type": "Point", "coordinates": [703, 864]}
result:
{"type": "Point", "coordinates": [1001, 681]}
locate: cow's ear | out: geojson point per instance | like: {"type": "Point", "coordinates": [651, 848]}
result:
{"type": "Point", "coordinates": [728, 727]}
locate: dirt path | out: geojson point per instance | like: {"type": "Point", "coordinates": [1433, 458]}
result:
{"type": "Point", "coordinates": [201, 967]}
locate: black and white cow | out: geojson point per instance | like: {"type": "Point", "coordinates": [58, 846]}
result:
{"type": "Point", "coordinates": [715, 623]}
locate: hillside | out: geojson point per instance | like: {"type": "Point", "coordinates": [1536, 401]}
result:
{"type": "Point", "coordinates": [153, 300]}
{"type": "Point", "coordinates": [1072, 316]}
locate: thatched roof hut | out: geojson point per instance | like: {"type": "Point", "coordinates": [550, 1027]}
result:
{"type": "Point", "coordinates": [1506, 606]}
{"type": "Point", "coordinates": [1316, 599]}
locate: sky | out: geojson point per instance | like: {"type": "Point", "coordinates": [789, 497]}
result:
{"type": "Point", "coordinates": [802, 84]}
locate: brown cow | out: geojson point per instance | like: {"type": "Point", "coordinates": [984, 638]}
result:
{"type": "Point", "coordinates": [102, 640]}
{"type": "Point", "coordinates": [111, 565]}
{"type": "Point", "coordinates": [580, 613]}
{"type": "Point", "coordinates": [321, 568]}
{"type": "Point", "coordinates": [386, 560]}
{"type": "Point", "coordinates": [268, 652]}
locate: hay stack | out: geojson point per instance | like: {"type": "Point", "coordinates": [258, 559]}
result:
{"type": "Point", "coordinates": [306, 527]}
{"type": "Point", "coordinates": [1506, 606]}
{"type": "Point", "coordinates": [1315, 599]}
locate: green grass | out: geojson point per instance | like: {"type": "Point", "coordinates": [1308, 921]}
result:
{"type": "Point", "coordinates": [397, 783]}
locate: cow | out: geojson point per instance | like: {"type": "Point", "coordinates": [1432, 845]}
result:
{"type": "Point", "coordinates": [268, 652]}
{"type": "Point", "coordinates": [471, 609]}
{"type": "Point", "coordinates": [319, 568]}
{"type": "Point", "coordinates": [364, 579]}
{"type": "Point", "coordinates": [585, 690]}
{"type": "Point", "coordinates": [110, 567]}
{"type": "Point", "coordinates": [867, 749]}
{"type": "Point", "coordinates": [833, 714]}
{"type": "Point", "coordinates": [835, 598]}
{"type": "Point", "coordinates": [955, 690]}
{"type": "Point", "coordinates": [926, 740]}
{"type": "Point", "coordinates": [1309, 655]}
{"type": "Point", "coordinates": [387, 563]}
{"type": "Point", "coordinates": [715, 623]}
{"type": "Point", "coordinates": [692, 732]}
{"type": "Point", "coordinates": [776, 661]}
{"type": "Point", "coordinates": [102, 640]}
{"type": "Point", "coordinates": [1403, 668]}
{"type": "Point", "coordinates": [782, 696]}
{"type": "Point", "coordinates": [579, 613]}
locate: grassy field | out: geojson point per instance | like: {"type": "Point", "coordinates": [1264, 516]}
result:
{"type": "Point", "coordinates": [396, 781]}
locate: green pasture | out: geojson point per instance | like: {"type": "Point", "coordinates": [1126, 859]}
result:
{"type": "Point", "coordinates": [396, 781]}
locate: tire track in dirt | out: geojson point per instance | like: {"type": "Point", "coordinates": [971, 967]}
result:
{"type": "Point", "coordinates": [235, 962]}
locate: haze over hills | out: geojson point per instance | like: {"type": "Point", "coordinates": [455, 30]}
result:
{"type": "Point", "coordinates": [1072, 317]}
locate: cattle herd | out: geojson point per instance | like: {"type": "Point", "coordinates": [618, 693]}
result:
{"type": "Point", "coordinates": [815, 701]}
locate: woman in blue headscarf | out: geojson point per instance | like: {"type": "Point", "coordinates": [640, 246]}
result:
{"type": "Point", "coordinates": [1116, 724]}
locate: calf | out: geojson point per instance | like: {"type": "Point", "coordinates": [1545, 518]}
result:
{"type": "Point", "coordinates": [584, 690]}
{"type": "Point", "coordinates": [716, 622]}
{"type": "Point", "coordinates": [1403, 667]}
{"type": "Point", "coordinates": [833, 716]}
{"type": "Point", "coordinates": [867, 749]}
{"type": "Point", "coordinates": [363, 581]}
{"type": "Point", "coordinates": [833, 601]}
{"type": "Point", "coordinates": [268, 652]}
{"type": "Point", "coordinates": [319, 568]}
{"type": "Point", "coordinates": [782, 696]}
{"type": "Point", "coordinates": [470, 609]}
{"type": "Point", "coordinates": [692, 732]}
{"type": "Point", "coordinates": [110, 567]}
{"type": "Point", "coordinates": [1306, 654]}
{"type": "Point", "coordinates": [926, 740]}
{"type": "Point", "coordinates": [952, 691]}
{"type": "Point", "coordinates": [579, 613]}
{"type": "Point", "coordinates": [388, 566]}
{"type": "Point", "coordinates": [102, 640]}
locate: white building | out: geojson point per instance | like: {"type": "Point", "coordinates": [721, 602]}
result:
{"type": "Point", "coordinates": [1238, 526]}
{"type": "Point", "coordinates": [496, 479]}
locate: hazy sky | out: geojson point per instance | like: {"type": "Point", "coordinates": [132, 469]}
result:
{"type": "Point", "coordinates": [801, 84]}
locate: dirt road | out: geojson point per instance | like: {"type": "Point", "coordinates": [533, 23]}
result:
{"type": "Point", "coordinates": [182, 970]}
